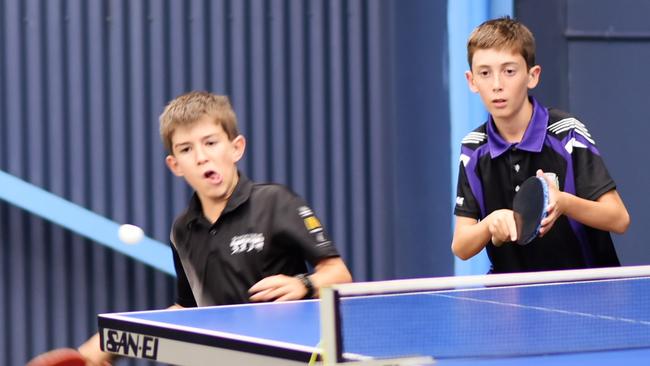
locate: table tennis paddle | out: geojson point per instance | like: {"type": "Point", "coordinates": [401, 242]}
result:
{"type": "Point", "coordinates": [529, 207]}
{"type": "Point", "coordinates": [59, 357]}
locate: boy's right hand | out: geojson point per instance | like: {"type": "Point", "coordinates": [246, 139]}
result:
{"type": "Point", "coordinates": [61, 357]}
{"type": "Point", "coordinates": [277, 288]}
{"type": "Point", "coordinates": [502, 227]}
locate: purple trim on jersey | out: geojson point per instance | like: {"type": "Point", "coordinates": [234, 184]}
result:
{"type": "Point", "coordinates": [569, 187]}
{"type": "Point", "coordinates": [558, 147]}
{"type": "Point", "coordinates": [533, 138]}
{"type": "Point", "coordinates": [581, 234]}
{"type": "Point", "coordinates": [464, 150]}
{"type": "Point", "coordinates": [470, 171]}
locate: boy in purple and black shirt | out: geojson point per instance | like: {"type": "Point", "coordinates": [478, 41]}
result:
{"type": "Point", "coordinates": [522, 138]}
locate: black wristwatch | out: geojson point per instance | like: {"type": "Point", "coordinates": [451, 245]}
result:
{"type": "Point", "coordinates": [308, 285]}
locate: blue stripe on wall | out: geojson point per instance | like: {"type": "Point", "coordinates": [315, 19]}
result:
{"type": "Point", "coordinates": [466, 110]}
{"type": "Point", "coordinates": [82, 221]}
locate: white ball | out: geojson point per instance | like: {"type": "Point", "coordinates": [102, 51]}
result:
{"type": "Point", "coordinates": [130, 234]}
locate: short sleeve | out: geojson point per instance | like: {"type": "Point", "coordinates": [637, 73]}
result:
{"type": "Point", "coordinates": [299, 226]}
{"type": "Point", "coordinates": [592, 179]}
{"type": "Point", "coordinates": [466, 204]}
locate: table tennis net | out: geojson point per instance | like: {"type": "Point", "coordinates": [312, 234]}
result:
{"type": "Point", "coordinates": [579, 311]}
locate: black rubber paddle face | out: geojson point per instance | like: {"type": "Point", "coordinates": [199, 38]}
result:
{"type": "Point", "coordinates": [529, 207]}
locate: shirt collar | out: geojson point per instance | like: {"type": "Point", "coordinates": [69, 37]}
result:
{"type": "Point", "coordinates": [534, 136]}
{"type": "Point", "coordinates": [240, 195]}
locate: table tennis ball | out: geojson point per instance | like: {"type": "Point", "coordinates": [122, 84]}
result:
{"type": "Point", "coordinates": [130, 234]}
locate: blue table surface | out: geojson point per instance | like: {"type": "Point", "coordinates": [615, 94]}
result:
{"type": "Point", "coordinates": [599, 322]}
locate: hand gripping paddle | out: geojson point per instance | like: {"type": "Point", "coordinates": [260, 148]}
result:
{"type": "Point", "coordinates": [529, 207]}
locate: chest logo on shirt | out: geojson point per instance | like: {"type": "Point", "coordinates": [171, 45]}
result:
{"type": "Point", "coordinates": [247, 243]}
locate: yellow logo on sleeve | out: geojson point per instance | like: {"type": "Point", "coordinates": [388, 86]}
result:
{"type": "Point", "coordinates": [311, 223]}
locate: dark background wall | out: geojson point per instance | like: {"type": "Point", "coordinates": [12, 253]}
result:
{"type": "Point", "coordinates": [594, 60]}
{"type": "Point", "coordinates": [344, 101]}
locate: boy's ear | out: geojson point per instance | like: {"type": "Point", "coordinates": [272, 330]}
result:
{"type": "Point", "coordinates": [239, 144]}
{"type": "Point", "coordinates": [533, 76]}
{"type": "Point", "coordinates": [172, 164]}
{"type": "Point", "coordinates": [470, 81]}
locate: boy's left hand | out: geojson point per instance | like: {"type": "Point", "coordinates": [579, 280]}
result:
{"type": "Point", "coordinates": [278, 288]}
{"type": "Point", "coordinates": [554, 209]}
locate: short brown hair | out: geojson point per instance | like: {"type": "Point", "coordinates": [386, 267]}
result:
{"type": "Point", "coordinates": [502, 33]}
{"type": "Point", "coordinates": [188, 108]}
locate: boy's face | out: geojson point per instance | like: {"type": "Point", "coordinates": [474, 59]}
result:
{"type": "Point", "coordinates": [206, 158]}
{"type": "Point", "coordinates": [502, 80]}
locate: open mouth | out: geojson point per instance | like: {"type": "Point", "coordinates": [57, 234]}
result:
{"type": "Point", "coordinates": [212, 176]}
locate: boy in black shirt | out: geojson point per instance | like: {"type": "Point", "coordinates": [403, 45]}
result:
{"type": "Point", "coordinates": [238, 241]}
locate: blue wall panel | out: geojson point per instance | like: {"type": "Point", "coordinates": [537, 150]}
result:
{"type": "Point", "coordinates": [344, 101]}
{"type": "Point", "coordinates": [422, 139]}
{"type": "Point", "coordinates": [607, 63]}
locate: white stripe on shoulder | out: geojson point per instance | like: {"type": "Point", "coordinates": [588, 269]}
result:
{"type": "Point", "coordinates": [474, 138]}
{"type": "Point", "coordinates": [464, 159]}
{"type": "Point", "coordinates": [571, 124]}
{"type": "Point", "coordinates": [573, 143]}
{"type": "Point", "coordinates": [564, 122]}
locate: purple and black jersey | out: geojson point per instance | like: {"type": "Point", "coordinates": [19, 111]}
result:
{"type": "Point", "coordinates": [492, 169]}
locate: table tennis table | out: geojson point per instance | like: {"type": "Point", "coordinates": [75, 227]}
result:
{"type": "Point", "coordinates": [595, 322]}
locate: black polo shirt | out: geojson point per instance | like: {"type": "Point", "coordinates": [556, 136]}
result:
{"type": "Point", "coordinates": [492, 169]}
{"type": "Point", "coordinates": [264, 230]}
